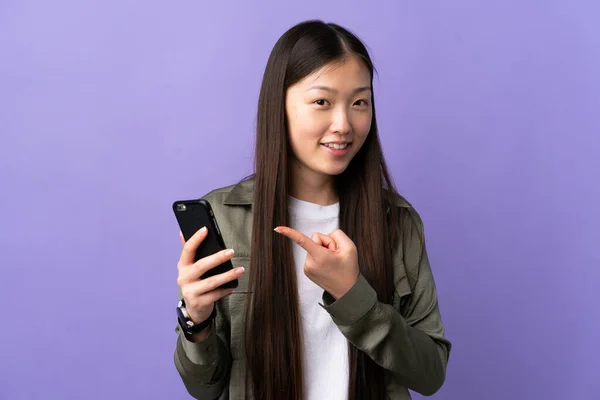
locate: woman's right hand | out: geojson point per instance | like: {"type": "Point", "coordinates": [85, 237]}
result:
{"type": "Point", "coordinates": [200, 294]}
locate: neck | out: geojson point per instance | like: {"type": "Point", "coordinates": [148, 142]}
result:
{"type": "Point", "coordinates": [312, 186]}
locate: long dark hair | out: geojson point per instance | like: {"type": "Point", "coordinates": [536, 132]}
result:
{"type": "Point", "coordinates": [273, 331]}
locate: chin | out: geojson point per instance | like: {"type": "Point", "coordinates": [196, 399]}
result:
{"type": "Point", "coordinates": [335, 171]}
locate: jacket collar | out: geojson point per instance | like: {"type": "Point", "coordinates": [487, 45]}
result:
{"type": "Point", "coordinates": [242, 194]}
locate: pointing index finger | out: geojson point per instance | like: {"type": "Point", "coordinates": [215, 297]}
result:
{"type": "Point", "coordinates": [301, 240]}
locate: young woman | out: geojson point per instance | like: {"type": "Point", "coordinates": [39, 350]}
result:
{"type": "Point", "coordinates": [336, 298]}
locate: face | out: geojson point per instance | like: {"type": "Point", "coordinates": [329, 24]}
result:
{"type": "Point", "coordinates": [329, 117]}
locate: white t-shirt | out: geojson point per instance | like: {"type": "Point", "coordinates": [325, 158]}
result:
{"type": "Point", "coordinates": [325, 348]}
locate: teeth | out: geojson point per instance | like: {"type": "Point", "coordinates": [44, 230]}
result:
{"type": "Point", "coordinates": [336, 146]}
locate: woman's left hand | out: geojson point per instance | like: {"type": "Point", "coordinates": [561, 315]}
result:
{"type": "Point", "coordinates": [331, 262]}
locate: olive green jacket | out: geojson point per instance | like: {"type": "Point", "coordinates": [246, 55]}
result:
{"type": "Point", "coordinates": [406, 337]}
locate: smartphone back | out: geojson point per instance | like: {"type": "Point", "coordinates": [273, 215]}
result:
{"type": "Point", "coordinates": [191, 216]}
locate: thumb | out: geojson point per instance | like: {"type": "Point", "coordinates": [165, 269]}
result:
{"type": "Point", "coordinates": [325, 241]}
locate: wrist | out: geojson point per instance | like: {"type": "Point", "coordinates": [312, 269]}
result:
{"type": "Point", "coordinates": [199, 337]}
{"type": "Point", "coordinates": [340, 292]}
{"type": "Point", "coordinates": [191, 329]}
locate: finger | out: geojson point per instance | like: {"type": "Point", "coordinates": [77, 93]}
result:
{"type": "Point", "coordinates": [182, 239]}
{"type": "Point", "coordinates": [198, 288]}
{"type": "Point", "coordinates": [301, 240]}
{"type": "Point", "coordinates": [317, 239]}
{"type": "Point", "coordinates": [200, 267]}
{"type": "Point", "coordinates": [324, 241]}
{"type": "Point", "coordinates": [212, 297]}
{"type": "Point", "coordinates": [205, 301]}
{"type": "Point", "coordinates": [189, 248]}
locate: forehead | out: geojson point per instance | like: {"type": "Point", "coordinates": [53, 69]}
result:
{"type": "Point", "coordinates": [351, 71]}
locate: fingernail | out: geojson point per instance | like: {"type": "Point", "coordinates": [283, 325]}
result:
{"type": "Point", "coordinates": [240, 270]}
{"type": "Point", "coordinates": [276, 230]}
{"type": "Point", "coordinates": [203, 229]}
{"type": "Point", "coordinates": [229, 252]}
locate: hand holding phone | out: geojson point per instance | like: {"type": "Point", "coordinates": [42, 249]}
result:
{"type": "Point", "coordinates": [192, 215]}
{"type": "Point", "coordinates": [201, 294]}
{"type": "Point", "coordinates": [206, 273]}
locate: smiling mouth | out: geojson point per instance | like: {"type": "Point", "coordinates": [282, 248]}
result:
{"type": "Point", "coordinates": [336, 146]}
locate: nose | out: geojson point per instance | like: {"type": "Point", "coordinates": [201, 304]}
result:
{"type": "Point", "coordinates": [341, 122]}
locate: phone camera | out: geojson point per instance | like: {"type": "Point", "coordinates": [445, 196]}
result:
{"type": "Point", "coordinates": [181, 207]}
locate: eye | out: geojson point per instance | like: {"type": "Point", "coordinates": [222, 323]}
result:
{"type": "Point", "coordinates": [321, 102]}
{"type": "Point", "coordinates": [361, 103]}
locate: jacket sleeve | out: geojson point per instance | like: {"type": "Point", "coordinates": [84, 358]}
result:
{"type": "Point", "coordinates": [204, 367]}
{"type": "Point", "coordinates": [409, 344]}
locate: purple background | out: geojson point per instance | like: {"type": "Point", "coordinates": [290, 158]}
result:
{"type": "Point", "coordinates": [110, 111]}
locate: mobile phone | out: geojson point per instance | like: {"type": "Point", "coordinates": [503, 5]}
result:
{"type": "Point", "coordinates": [191, 216]}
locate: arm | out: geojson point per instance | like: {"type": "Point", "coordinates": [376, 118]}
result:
{"type": "Point", "coordinates": [410, 345]}
{"type": "Point", "coordinates": [204, 360]}
{"type": "Point", "coordinates": [203, 366]}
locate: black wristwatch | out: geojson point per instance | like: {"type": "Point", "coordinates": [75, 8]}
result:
{"type": "Point", "coordinates": [187, 324]}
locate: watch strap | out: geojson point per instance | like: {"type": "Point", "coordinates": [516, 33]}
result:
{"type": "Point", "coordinates": [187, 324]}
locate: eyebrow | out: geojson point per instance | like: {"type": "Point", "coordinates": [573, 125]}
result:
{"type": "Point", "coordinates": [332, 90]}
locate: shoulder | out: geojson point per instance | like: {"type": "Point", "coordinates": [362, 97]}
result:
{"type": "Point", "coordinates": [218, 195]}
{"type": "Point", "coordinates": [408, 217]}
{"type": "Point", "coordinates": [232, 207]}
{"type": "Point", "coordinates": [240, 193]}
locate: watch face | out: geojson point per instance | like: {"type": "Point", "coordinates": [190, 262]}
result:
{"type": "Point", "coordinates": [183, 321]}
